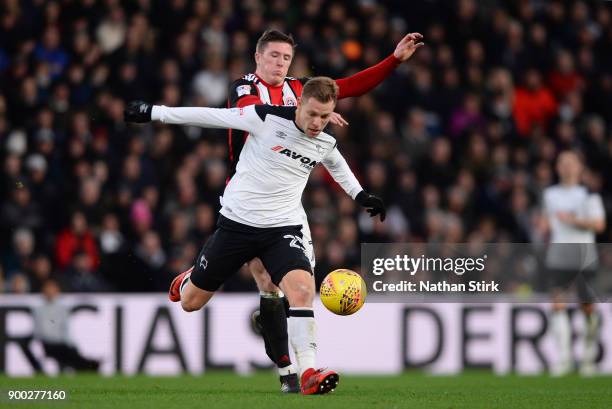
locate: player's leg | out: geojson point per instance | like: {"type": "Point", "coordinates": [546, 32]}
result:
{"type": "Point", "coordinates": [194, 298]}
{"type": "Point", "coordinates": [299, 287]}
{"type": "Point", "coordinates": [271, 321]}
{"type": "Point", "coordinates": [283, 255]}
{"type": "Point", "coordinates": [586, 295]}
{"type": "Point", "coordinates": [560, 325]}
{"type": "Point", "coordinates": [590, 335]}
{"type": "Point", "coordinates": [561, 330]}
{"type": "Point", "coordinates": [272, 317]}
{"type": "Point", "coordinates": [221, 256]}
{"type": "Point", "coordinates": [561, 280]}
{"type": "Point", "coordinates": [303, 290]}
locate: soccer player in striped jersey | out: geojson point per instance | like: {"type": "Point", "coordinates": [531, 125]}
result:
{"type": "Point", "coordinates": [574, 216]}
{"type": "Point", "coordinates": [269, 84]}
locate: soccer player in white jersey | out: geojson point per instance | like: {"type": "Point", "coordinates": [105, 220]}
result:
{"type": "Point", "coordinates": [260, 214]}
{"type": "Point", "coordinates": [574, 217]}
{"type": "Point", "coordinates": [269, 84]}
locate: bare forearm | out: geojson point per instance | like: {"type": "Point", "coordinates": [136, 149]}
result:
{"type": "Point", "coordinates": [595, 225]}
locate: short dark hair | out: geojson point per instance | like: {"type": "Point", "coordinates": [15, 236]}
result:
{"type": "Point", "coordinates": [578, 154]}
{"type": "Point", "coordinates": [274, 36]}
{"type": "Point", "coordinates": [323, 89]}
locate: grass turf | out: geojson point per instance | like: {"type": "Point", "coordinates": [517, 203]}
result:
{"type": "Point", "coordinates": [227, 390]}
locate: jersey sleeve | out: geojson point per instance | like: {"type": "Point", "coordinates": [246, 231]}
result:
{"type": "Point", "coordinates": [546, 203]}
{"type": "Point", "coordinates": [336, 165]}
{"type": "Point", "coordinates": [243, 93]}
{"type": "Point", "coordinates": [366, 80]}
{"type": "Point", "coordinates": [595, 208]}
{"type": "Point", "coordinates": [245, 119]}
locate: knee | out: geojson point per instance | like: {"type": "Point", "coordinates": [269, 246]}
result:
{"type": "Point", "coordinates": [587, 308]}
{"type": "Point", "coordinates": [558, 306]}
{"type": "Point", "coordinates": [302, 295]}
{"type": "Point", "coordinates": [190, 304]}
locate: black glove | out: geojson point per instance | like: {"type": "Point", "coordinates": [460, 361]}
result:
{"type": "Point", "coordinates": [138, 111]}
{"type": "Point", "coordinates": [373, 204]}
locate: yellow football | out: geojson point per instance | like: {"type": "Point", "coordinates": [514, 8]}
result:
{"type": "Point", "coordinates": [343, 292]}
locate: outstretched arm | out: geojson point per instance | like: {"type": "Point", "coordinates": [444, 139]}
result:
{"type": "Point", "coordinates": [245, 119]}
{"type": "Point", "coordinates": [364, 81]}
{"type": "Point", "coordinates": [335, 163]}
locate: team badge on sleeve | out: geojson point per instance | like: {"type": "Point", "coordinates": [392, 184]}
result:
{"type": "Point", "coordinates": [243, 90]}
{"type": "Point", "coordinates": [203, 262]}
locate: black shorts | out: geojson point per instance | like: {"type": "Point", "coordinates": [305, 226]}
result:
{"type": "Point", "coordinates": [233, 244]}
{"type": "Point", "coordinates": [582, 281]}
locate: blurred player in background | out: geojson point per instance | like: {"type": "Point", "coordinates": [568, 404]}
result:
{"type": "Point", "coordinates": [271, 85]}
{"type": "Point", "coordinates": [574, 216]}
{"type": "Point", "coordinates": [261, 214]}
{"type": "Point", "coordinates": [51, 327]}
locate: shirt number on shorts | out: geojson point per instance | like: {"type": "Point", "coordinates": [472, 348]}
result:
{"type": "Point", "coordinates": [296, 242]}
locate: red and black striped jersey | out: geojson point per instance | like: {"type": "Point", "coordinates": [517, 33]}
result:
{"type": "Point", "coordinates": [242, 90]}
{"type": "Point", "coordinates": [252, 90]}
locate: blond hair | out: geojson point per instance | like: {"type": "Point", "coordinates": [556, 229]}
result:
{"type": "Point", "coordinates": [323, 89]}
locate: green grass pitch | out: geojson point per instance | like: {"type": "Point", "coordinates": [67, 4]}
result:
{"type": "Point", "coordinates": [227, 390]}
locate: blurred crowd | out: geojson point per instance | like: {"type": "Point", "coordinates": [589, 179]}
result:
{"type": "Point", "coordinates": [459, 141]}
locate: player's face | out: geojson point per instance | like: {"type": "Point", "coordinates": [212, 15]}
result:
{"type": "Point", "coordinates": [312, 116]}
{"type": "Point", "coordinates": [273, 62]}
{"type": "Point", "coordinates": [569, 167]}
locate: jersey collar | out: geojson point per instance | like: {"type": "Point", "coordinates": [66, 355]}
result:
{"type": "Point", "coordinates": [269, 85]}
{"type": "Point", "coordinates": [298, 127]}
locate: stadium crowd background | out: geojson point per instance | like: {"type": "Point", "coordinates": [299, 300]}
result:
{"type": "Point", "coordinates": [459, 141]}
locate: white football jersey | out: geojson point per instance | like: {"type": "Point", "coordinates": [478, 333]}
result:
{"type": "Point", "coordinates": [576, 200]}
{"type": "Point", "coordinates": [571, 247]}
{"type": "Point", "coordinates": [274, 164]}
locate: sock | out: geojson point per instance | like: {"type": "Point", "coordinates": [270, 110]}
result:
{"type": "Point", "coordinates": [561, 330]}
{"type": "Point", "coordinates": [274, 322]}
{"type": "Point", "coordinates": [302, 333]}
{"type": "Point", "coordinates": [184, 282]}
{"type": "Point", "coordinates": [287, 370]}
{"type": "Point", "coordinates": [590, 338]}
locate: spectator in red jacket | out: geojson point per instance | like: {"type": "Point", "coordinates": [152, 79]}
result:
{"type": "Point", "coordinates": [564, 78]}
{"type": "Point", "coordinates": [76, 238]}
{"type": "Point", "coordinates": [534, 104]}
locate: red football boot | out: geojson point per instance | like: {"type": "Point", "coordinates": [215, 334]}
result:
{"type": "Point", "coordinates": [175, 287]}
{"type": "Point", "coordinates": [319, 381]}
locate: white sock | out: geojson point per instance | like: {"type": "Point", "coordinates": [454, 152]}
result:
{"type": "Point", "coordinates": [286, 370]}
{"type": "Point", "coordinates": [561, 330]}
{"type": "Point", "coordinates": [591, 331]}
{"type": "Point", "coordinates": [302, 335]}
{"type": "Point", "coordinates": [184, 282]}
